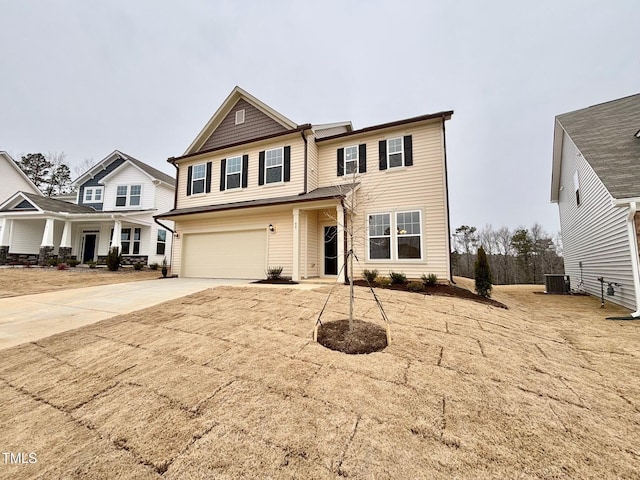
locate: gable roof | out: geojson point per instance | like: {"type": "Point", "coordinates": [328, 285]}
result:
{"type": "Point", "coordinates": [606, 135]}
{"type": "Point", "coordinates": [45, 204]}
{"type": "Point", "coordinates": [232, 99]}
{"type": "Point", "coordinates": [117, 154]}
{"type": "Point", "coordinates": [15, 166]}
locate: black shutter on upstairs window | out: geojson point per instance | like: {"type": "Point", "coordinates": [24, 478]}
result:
{"type": "Point", "coordinates": [261, 168]}
{"type": "Point", "coordinates": [340, 156]}
{"type": "Point", "coordinates": [408, 151]}
{"type": "Point", "coordinates": [189, 174]}
{"type": "Point", "coordinates": [245, 171]}
{"type": "Point", "coordinates": [362, 158]}
{"type": "Point", "coordinates": [287, 164]}
{"type": "Point", "coordinates": [382, 154]}
{"type": "Point", "coordinates": [207, 182]}
{"type": "Point", "coordinates": [223, 174]}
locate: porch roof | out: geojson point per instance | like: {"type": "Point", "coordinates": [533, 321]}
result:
{"type": "Point", "coordinates": [323, 193]}
{"type": "Point", "coordinates": [52, 205]}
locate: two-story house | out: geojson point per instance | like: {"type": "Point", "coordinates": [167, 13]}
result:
{"type": "Point", "coordinates": [114, 206]}
{"type": "Point", "coordinates": [256, 190]}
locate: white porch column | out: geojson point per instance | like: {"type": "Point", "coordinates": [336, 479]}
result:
{"type": "Point", "coordinates": [296, 244]}
{"type": "Point", "coordinates": [47, 235]}
{"type": "Point", "coordinates": [117, 235]}
{"type": "Point", "coordinates": [340, 234]}
{"type": "Point", "coordinates": [66, 235]}
{"type": "Point", "coordinates": [6, 232]}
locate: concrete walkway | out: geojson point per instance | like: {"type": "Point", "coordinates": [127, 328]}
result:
{"type": "Point", "coordinates": [31, 317]}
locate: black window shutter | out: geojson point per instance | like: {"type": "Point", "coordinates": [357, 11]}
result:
{"type": "Point", "coordinates": [245, 171]}
{"type": "Point", "coordinates": [408, 151]}
{"type": "Point", "coordinates": [382, 153]}
{"type": "Point", "coordinates": [287, 164]}
{"type": "Point", "coordinates": [189, 174]}
{"type": "Point", "coordinates": [208, 179]}
{"type": "Point", "coordinates": [261, 168]}
{"type": "Point", "coordinates": [223, 174]}
{"type": "Point", "coordinates": [362, 158]}
{"type": "Point", "coordinates": [340, 156]}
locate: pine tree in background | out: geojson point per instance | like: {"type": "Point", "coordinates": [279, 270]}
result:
{"type": "Point", "coordinates": [484, 282]}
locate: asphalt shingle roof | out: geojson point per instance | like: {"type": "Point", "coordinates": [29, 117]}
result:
{"type": "Point", "coordinates": [605, 134]}
{"type": "Point", "coordinates": [49, 204]}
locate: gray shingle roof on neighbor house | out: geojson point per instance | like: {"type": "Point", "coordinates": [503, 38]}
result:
{"type": "Point", "coordinates": [49, 204]}
{"type": "Point", "coordinates": [321, 193]}
{"type": "Point", "coordinates": [605, 134]}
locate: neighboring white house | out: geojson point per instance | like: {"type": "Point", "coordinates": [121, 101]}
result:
{"type": "Point", "coordinates": [596, 184]}
{"type": "Point", "coordinates": [114, 206]}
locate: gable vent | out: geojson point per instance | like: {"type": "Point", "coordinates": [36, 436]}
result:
{"type": "Point", "coordinates": [240, 117]}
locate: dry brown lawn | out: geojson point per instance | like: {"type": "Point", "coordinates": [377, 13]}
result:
{"type": "Point", "coordinates": [25, 281]}
{"type": "Point", "coordinates": [226, 383]}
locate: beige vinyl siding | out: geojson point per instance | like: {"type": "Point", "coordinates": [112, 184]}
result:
{"type": "Point", "coordinates": [253, 190]}
{"type": "Point", "coordinates": [594, 233]}
{"type": "Point", "coordinates": [312, 163]}
{"type": "Point", "coordinates": [280, 243]}
{"type": "Point", "coordinates": [418, 187]}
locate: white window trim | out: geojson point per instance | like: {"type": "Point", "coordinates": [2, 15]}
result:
{"type": "Point", "coordinates": [357, 160]}
{"type": "Point", "coordinates": [132, 233]}
{"type": "Point", "coordinates": [389, 167]}
{"type": "Point", "coordinates": [194, 180]}
{"type": "Point", "coordinates": [226, 173]}
{"type": "Point", "coordinates": [158, 241]}
{"type": "Point", "coordinates": [240, 115]}
{"type": "Point", "coordinates": [127, 196]}
{"type": "Point", "coordinates": [94, 191]}
{"type": "Point", "coordinates": [281, 165]}
{"type": "Point", "coordinates": [393, 226]}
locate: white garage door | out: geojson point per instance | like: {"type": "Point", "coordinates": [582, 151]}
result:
{"type": "Point", "coordinates": [241, 254]}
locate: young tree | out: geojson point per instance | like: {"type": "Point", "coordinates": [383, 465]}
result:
{"type": "Point", "coordinates": [482, 272]}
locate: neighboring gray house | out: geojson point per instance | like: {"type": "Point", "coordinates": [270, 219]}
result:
{"type": "Point", "coordinates": [596, 184]}
{"type": "Point", "coordinates": [114, 206]}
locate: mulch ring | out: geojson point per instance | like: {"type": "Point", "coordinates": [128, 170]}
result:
{"type": "Point", "coordinates": [277, 281]}
{"type": "Point", "coordinates": [442, 290]}
{"type": "Point", "coordinates": [365, 337]}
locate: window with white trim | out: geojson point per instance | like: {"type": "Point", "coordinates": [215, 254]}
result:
{"type": "Point", "coordinates": [129, 245]}
{"type": "Point", "coordinates": [576, 187]}
{"type": "Point", "coordinates": [161, 242]}
{"type": "Point", "coordinates": [234, 172]}
{"type": "Point", "coordinates": [198, 175]}
{"type": "Point", "coordinates": [395, 152]}
{"type": "Point", "coordinates": [409, 235]}
{"type": "Point", "coordinates": [380, 236]}
{"type": "Point", "coordinates": [92, 195]}
{"type": "Point", "coordinates": [274, 165]}
{"type": "Point", "coordinates": [128, 195]}
{"type": "Point", "coordinates": [397, 237]}
{"type": "Point", "coordinates": [351, 159]}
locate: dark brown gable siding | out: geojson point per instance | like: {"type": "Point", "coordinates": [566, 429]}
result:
{"type": "Point", "coordinates": [256, 124]}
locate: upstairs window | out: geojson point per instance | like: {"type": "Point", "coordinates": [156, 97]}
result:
{"type": "Point", "coordinates": [273, 165]}
{"type": "Point", "coordinates": [350, 160]}
{"type": "Point", "coordinates": [128, 195]}
{"type": "Point", "coordinates": [92, 195]}
{"type": "Point", "coordinates": [576, 187]}
{"type": "Point", "coordinates": [234, 172]}
{"type": "Point", "coordinates": [395, 153]}
{"type": "Point", "coordinates": [198, 176]}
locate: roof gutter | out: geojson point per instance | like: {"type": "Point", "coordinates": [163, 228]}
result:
{"type": "Point", "coordinates": [635, 260]}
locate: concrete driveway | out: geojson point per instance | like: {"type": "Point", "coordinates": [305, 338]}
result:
{"type": "Point", "coordinates": [31, 317]}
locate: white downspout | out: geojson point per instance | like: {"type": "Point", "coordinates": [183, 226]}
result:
{"type": "Point", "coordinates": [635, 260]}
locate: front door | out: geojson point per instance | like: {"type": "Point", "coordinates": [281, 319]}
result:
{"type": "Point", "coordinates": [331, 250]}
{"type": "Point", "coordinates": [88, 247]}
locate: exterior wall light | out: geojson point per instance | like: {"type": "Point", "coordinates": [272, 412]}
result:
{"type": "Point", "coordinates": [272, 229]}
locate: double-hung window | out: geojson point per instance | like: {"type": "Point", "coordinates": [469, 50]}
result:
{"type": "Point", "coordinates": [92, 195]}
{"type": "Point", "coordinates": [234, 172]}
{"type": "Point", "coordinates": [351, 159]}
{"type": "Point", "coordinates": [380, 236]}
{"type": "Point", "coordinates": [395, 237]}
{"type": "Point", "coordinates": [273, 165]}
{"type": "Point", "coordinates": [395, 152]}
{"type": "Point", "coordinates": [198, 176]}
{"type": "Point", "coordinates": [161, 242]}
{"type": "Point", "coordinates": [129, 240]}
{"type": "Point", "coordinates": [128, 195]}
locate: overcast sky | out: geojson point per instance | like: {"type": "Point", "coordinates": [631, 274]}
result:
{"type": "Point", "coordinates": [88, 77]}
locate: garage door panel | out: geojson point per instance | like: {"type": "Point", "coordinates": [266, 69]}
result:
{"type": "Point", "coordinates": [238, 254]}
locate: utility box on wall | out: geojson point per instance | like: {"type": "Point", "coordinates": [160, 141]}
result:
{"type": "Point", "coordinates": [558, 284]}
